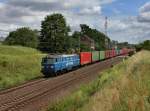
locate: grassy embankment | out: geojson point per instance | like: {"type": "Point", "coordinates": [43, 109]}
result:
{"type": "Point", "coordinates": [125, 87]}
{"type": "Point", "coordinates": [18, 64]}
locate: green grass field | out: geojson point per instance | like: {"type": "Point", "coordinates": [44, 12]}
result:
{"type": "Point", "coordinates": [125, 87]}
{"type": "Point", "coordinates": [18, 64]}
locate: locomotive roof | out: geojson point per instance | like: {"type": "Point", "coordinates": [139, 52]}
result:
{"type": "Point", "coordinates": [58, 56]}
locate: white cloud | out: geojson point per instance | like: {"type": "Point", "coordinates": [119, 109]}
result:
{"type": "Point", "coordinates": [92, 10]}
{"type": "Point", "coordinates": [130, 30]}
{"type": "Point", "coordinates": [145, 7]}
{"type": "Point", "coordinates": [30, 13]}
{"type": "Point", "coordinates": [19, 13]}
{"type": "Point", "coordinates": [2, 5]}
{"type": "Point", "coordinates": [97, 9]}
{"type": "Point", "coordinates": [144, 11]}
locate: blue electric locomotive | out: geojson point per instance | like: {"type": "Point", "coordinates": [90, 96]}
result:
{"type": "Point", "coordinates": [52, 64]}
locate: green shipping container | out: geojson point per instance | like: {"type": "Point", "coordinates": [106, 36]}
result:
{"type": "Point", "coordinates": [102, 55]}
{"type": "Point", "coordinates": [117, 52]}
{"type": "Point", "coordinates": [95, 56]}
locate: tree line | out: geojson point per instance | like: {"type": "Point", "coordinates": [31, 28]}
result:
{"type": "Point", "coordinates": [143, 45]}
{"type": "Point", "coordinates": [54, 36]}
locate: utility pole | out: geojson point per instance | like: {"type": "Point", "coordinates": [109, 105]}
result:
{"type": "Point", "coordinates": [79, 43]}
{"type": "Point", "coordinates": [106, 26]}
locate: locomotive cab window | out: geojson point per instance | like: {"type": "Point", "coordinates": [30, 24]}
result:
{"type": "Point", "coordinates": [58, 60]}
{"type": "Point", "coordinates": [49, 60]}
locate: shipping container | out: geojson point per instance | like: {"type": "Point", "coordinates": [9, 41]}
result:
{"type": "Point", "coordinates": [110, 53]}
{"type": "Point", "coordinates": [95, 56]}
{"type": "Point", "coordinates": [107, 54]}
{"type": "Point", "coordinates": [117, 52]}
{"type": "Point", "coordinates": [85, 58]}
{"type": "Point", "coordinates": [113, 53]}
{"type": "Point", "coordinates": [125, 51]}
{"type": "Point", "coordinates": [121, 52]}
{"type": "Point", "coordinates": [102, 55]}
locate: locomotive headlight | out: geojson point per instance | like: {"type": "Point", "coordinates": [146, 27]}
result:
{"type": "Point", "coordinates": [52, 67]}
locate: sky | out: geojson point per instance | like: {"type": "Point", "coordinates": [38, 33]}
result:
{"type": "Point", "coordinates": [128, 20]}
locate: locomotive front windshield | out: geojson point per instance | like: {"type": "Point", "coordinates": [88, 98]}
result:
{"type": "Point", "coordinates": [48, 60]}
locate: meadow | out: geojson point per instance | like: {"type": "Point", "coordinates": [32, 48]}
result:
{"type": "Point", "coordinates": [18, 65]}
{"type": "Point", "coordinates": [125, 87]}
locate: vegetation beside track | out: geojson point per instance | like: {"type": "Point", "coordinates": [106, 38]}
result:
{"type": "Point", "coordinates": [124, 87]}
{"type": "Point", "coordinates": [18, 64]}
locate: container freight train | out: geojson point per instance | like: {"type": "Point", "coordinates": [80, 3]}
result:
{"type": "Point", "coordinates": [54, 64]}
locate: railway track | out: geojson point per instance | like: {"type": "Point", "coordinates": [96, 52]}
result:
{"type": "Point", "coordinates": [33, 96]}
{"type": "Point", "coordinates": [22, 86]}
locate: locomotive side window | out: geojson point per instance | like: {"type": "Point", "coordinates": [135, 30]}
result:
{"type": "Point", "coordinates": [57, 60]}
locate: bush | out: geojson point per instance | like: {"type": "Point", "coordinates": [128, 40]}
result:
{"type": "Point", "coordinates": [24, 37]}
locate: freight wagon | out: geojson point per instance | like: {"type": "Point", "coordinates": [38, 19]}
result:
{"type": "Point", "coordinates": [113, 53]}
{"type": "Point", "coordinates": [85, 58]}
{"type": "Point", "coordinates": [95, 56]}
{"type": "Point", "coordinates": [102, 55]}
{"type": "Point", "coordinates": [107, 53]}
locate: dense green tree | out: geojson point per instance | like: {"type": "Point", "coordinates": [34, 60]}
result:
{"type": "Point", "coordinates": [54, 34]}
{"type": "Point", "coordinates": [23, 36]}
{"type": "Point", "coordinates": [76, 39]}
{"type": "Point", "coordinates": [143, 45]}
{"type": "Point", "coordinates": [146, 45]}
